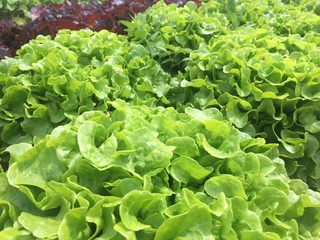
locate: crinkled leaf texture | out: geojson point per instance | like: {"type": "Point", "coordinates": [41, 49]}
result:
{"type": "Point", "coordinates": [187, 129]}
{"type": "Point", "coordinates": [54, 80]}
{"type": "Point", "coordinates": [125, 175]}
{"type": "Point", "coordinates": [255, 62]}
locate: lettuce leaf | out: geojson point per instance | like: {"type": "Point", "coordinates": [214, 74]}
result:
{"type": "Point", "coordinates": [111, 176]}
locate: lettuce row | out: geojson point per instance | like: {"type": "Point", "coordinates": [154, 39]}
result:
{"type": "Point", "coordinates": [153, 173]}
{"type": "Point", "coordinates": [170, 33]}
{"type": "Point", "coordinates": [52, 81]}
{"type": "Point", "coordinates": [20, 9]}
{"type": "Point", "coordinates": [271, 14]}
{"type": "Point", "coordinates": [277, 17]}
{"type": "Point", "coordinates": [215, 165]}
{"type": "Point", "coordinates": [306, 5]}
{"type": "Point", "coordinates": [265, 83]}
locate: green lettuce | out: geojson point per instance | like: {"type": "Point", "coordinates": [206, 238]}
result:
{"type": "Point", "coordinates": [133, 182]}
{"type": "Point", "coordinates": [53, 81]}
{"type": "Point", "coordinates": [203, 123]}
{"type": "Point", "coordinates": [259, 67]}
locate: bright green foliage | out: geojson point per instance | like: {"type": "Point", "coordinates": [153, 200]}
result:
{"type": "Point", "coordinates": [306, 5]}
{"type": "Point", "coordinates": [149, 186]}
{"type": "Point", "coordinates": [171, 33]}
{"type": "Point", "coordinates": [202, 124]}
{"type": "Point", "coordinates": [53, 81]}
{"type": "Point", "coordinates": [260, 68]}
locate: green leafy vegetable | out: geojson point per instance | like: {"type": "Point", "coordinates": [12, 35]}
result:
{"type": "Point", "coordinates": [53, 81]}
{"type": "Point", "coordinates": [203, 123]}
{"type": "Point", "coordinates": [260, 68]}
{"type": "Point", "coordinates": [124, 179]}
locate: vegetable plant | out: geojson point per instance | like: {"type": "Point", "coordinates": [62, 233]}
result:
{"type": "Point", "coordinates": [201, 123]}
{"type": "Point", "coordinates": [264, 78]}
{"type": "Point", "coordinates": [53, 81]}
{"type": "Point", "coordinates": [138, 171]}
